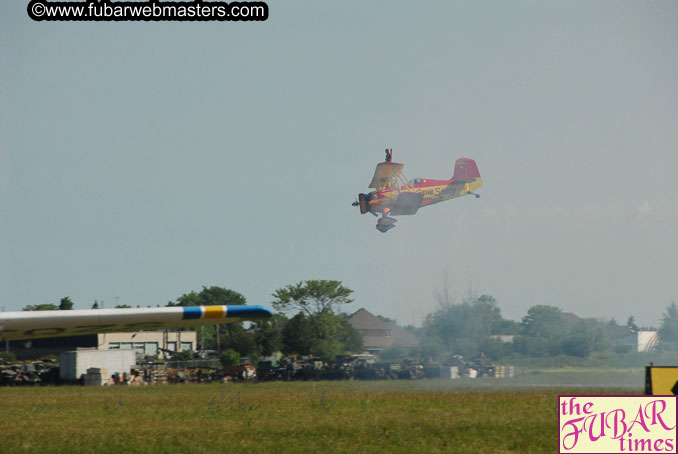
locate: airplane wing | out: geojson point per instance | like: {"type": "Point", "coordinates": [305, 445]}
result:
{"type": "Point", "coordinates": [385, 174]}
{"type": "Point", "coordinates": [39, 324]}
{"type": "Point", "coordinates": [407, 203]}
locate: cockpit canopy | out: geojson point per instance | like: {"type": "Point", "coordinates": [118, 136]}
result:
{"type": "Point", "coordinates": [416, 181]}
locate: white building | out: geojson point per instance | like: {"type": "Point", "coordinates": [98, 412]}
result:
{"type": "Point", "coordinates": [641, 341]}
{"type": "Point", "coordinates": [149, 343]}
{"type": "Point", "coordinates": [73, 365]}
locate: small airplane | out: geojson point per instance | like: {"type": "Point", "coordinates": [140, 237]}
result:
{"type": "Point", "coordinates": [40, 324]}
{"type": "Point", "coordinates": [395, 195]}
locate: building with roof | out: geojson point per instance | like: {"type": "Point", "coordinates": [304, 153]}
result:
{"type": "Point", "coordinates": [146, 343]}
{"type": "Point", "coordinates": [149, 343]}
{"type": "Point", "coordinates": [378, 334]}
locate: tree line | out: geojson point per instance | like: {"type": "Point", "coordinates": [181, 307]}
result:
{"type": "Point", "coordinates": [475, 326]}
{"type": "Point", "coordinates": [309, 321]}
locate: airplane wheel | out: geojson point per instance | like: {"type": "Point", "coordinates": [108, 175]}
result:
{"type": "Point", "coordinates": [384, 228]}
{"type": "Point", "coordinates": [477, 196]}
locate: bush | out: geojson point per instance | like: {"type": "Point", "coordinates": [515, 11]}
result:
{"type": "Point", "coordinates": [182, 356]}
{"type": "Point", "coordinates": [622, 349]}
{"type": "Point", "coordinates": [394, 352]}
{"type": "Point", "coordinates": [230, 358]}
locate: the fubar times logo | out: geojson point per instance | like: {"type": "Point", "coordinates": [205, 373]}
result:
{"type": "Point", "coordinates": [617, 424]}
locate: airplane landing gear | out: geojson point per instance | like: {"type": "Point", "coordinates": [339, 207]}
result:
{"type": "Point", "coordinates": [473, 193]}
{"type": "Point", "coordinates": [385, 223]}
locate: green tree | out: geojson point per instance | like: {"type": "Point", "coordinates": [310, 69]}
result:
{"type": "Point", "coordinates": [297, 335]}
{"type": "Point", "coordinates": [218, 296]}
{"type": "Point", "coordinates": [312, 297]}
{"type": "Point", "coordinates": [544, 329]}
{"type": "Point", "coordinates": [350, 338]}
{"type": "Point", "coordinates": [41, 307]}
{"type": "Point", "coordinates": [631, 323]}
{"type": "Point", "coordinates": [392, 353]}
{"type": "Point", "coordinates": [268, 334]}
{"type": "Point", "coordinates": [229, 357]}
{"type": "Point", "coordinates": [429, 349]}
{"type": "Point", "coordinates": [187, 299]}
{"type": "Point", "coordinates": [668, 330]}
{"type": "Point", "coordinates": [182, 356]}
{"type": "Point", "coordinates": [493, 348]}
{"type": "Point", "coordinates": [210, 296]}
{"type": "Point", "coordinates": [585, 337]}
{"type": "Point", "coordinates": [327, 329]}
{"type": "Point", "coordinates": [474, 319]}
{"type": "Point", "coordinates": [544, 321]}
{"type": "Point", "coordinates": [236, 337]}
{"type": "Point", "coordinates": [65, 304]}
{"type": "Point", "coordinates": [316, 329]}
{"type": "Point", "coordinates": [417, 331]}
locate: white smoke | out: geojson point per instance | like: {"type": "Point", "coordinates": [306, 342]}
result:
{"type": "Point", "coordinates": [639, 211]}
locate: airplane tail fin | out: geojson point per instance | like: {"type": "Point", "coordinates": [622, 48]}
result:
{"type": "Point", "coordinates": [465, 169]}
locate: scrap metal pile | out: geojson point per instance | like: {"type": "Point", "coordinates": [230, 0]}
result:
{"type": "Point", "coordinates": [367, 367]}
{"type": "Point", "coordinates": [358, 367]}
{"type": "Point", "coordinates": [29, 373]}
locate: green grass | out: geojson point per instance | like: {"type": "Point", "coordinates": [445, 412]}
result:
{"type": "Point", "coordinates": [457, 416]}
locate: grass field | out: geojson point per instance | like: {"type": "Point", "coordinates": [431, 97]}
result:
{"type": "Point", "coordinates": [462, 416]}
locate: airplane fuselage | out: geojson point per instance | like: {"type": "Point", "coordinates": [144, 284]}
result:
{"type": "Point", "coordinates": [432, 191]}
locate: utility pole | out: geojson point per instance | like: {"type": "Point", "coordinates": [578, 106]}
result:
{"type": "Point", "coordinates": [2, 309]}
{"type": "Point", "coordinates": [218, 342]}
{"type": "Point", "coordinates": [202, 342]}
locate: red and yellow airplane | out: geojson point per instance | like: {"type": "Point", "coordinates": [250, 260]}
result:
{"type": "Point", "coordinates": [395, 195]}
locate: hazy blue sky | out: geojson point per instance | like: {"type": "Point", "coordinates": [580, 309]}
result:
{"type": "Point", "coordinates": [140, 161]}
